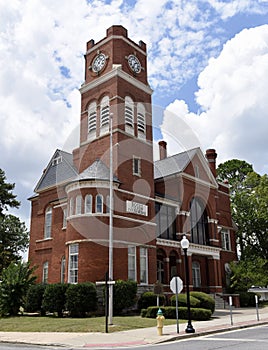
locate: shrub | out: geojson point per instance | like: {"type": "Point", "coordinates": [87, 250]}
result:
{"type": "Point", "coordinates": [81, 298]}
{"type": "Point", "coordinates": [206, 301]}
{"type": "Point", "coordinates": [149, 299]}
{"type": "Point", "coordinates": [182, 300]}
{"type": "Point", "coordinates": [125, 294]}
{"type": "Point", "coordinates": [16, 279]}
{"type": "Point", "coordinates": [34, 298]}
{"type": "Point", "coordinates": [247, 299]}
{"type": "Point", "coordinates": [54, 298]}
{"type": "Point", "coordinates": [197, 314]}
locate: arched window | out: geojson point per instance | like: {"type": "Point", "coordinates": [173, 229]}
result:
{"type": "Point", "coordinates": [92, 120]}
{"type": "Point", "coordinates": [104, 115]}
{"type": "Point", "coordinates": [45, 273]}
{"type": "Point", "coordinates": [88, 204]}
{"type": "Point", "coordinates": [199, 222]}
{"type": "Point", "coordinates": [48, 221]}
{"type": "Point", "coordinates": [161, 266]}
{"type": "Point", "coordinates": [129, 115]}
{"type": "Point", "coordinates": [99, 203]}
{"type": "Point", "coordinates": [141, 123]}
{"type": "Point", "coordinates": [196, 274]}
{"type": "Point", "coordinates": [71, 207]}
{"type": "Point", "coordinates": [62, 269]}
{"type": "Point", "coordinates": [78, 205]}
{"type": "Point", "coordinates": [108, 204]}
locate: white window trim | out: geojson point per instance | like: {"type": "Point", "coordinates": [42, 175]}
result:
{"type": "Point", "coordinates": [133, 256]}
{"type": "Point", "coordinates": [145, 257]}
{"type": "Point", "coordinates": [78, 205]}
{"type": "Point", "coordinates": [86, 204]}
{"type": "Point", "coordinates": [225, 233]}
{"type": "Point", "coordinates": [73, 251]}
{"type": "Point", "coordinates": [96, 209]}
{"type": "Point", "coordinates": [64, 219]}
{"type": "Point", "coordinates": [45, 272]}
{"type": "Point", "coordinates": [48, 223]}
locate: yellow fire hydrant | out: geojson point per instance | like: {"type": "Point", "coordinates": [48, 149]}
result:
{"type": "Point", "coordinates": [160, 322]}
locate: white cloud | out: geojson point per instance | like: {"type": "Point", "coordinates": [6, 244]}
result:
{"type": "Point", "coordinates": [40, 107]}
{"type": "Point", "coordinates": [233, 97]}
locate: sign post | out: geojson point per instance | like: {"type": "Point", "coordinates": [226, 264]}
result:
{"type": "Point", "coordinates": [107, 284]}
{"type": "Point", "coordinates": [176, 285]}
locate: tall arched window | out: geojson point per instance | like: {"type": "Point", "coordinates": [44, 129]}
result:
{"type": "Point", "coordinates": [78, 205]}
{"type": "Point", "coordinates": [88, 204]}
{"type": "Point", "coordinates": [199, 222]}
{"type": "Point", "coordinates": [62, 269]}
{"type": "Point", "coordinates": [92, 120]}
{"type": "Point", "coordinates": [129, 115]}
{"type": "Point", "coordinates": [48, 221]}
{"type": "Point", "coordinates": [141, 123]}
{"type": "Point", "coordinates": [196, 274]}
{"type": "Point", "coordinates": [71, 206]}
{"type": "Point", "coordinates": [99, 203]}
{"type": "Point", "coordinates": [45, 273]}
{"type": "Point", "coordinates": [104, 115]}
{"type": "Point", "coordinates": [108, 204]}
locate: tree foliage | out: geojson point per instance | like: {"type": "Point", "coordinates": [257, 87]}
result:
{"type": "Point", "coordinates": [16, 279]}
{"type": "Point", "coordinates": [13, 233]}
{"type": "Point", "coordinates": [7, 198]}
{"type": "Point", "coordinates": [249, 204]}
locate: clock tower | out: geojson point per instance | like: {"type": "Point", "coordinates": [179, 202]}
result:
{"type": "Point", "coordinates": [116, 94]}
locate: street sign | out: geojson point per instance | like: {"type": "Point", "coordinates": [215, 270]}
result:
{"type": "Point", "coordinates": [176, 285]}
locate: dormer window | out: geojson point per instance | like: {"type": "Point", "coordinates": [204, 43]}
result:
{"type": "Point", "coordinates": [57, 160]}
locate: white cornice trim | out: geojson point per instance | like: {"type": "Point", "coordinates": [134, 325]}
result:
{"type": "Point", "coordinates": [116, 72]}
{"type": "Point", "coordinates": [79, 184]}
{"type": "Point", "coordinates": [112, 37]}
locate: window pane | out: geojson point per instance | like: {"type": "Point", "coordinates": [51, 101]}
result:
{"type": "Point", "coordinates": [88, 204]}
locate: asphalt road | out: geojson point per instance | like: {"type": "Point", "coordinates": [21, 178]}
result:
{"type": "Point", "coordinates": [246, 339]}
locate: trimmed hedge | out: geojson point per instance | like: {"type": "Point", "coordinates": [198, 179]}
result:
{"type": "Point", "coordinates": [206, 301]}
{"type": "Point", "coordinates": [182, 300]}
{"type": "Point", "coordinates": [125, 295]}
{"type": "Point", "coordinates": [197, 314]}
{"type": "Point", "coordinates": [149, 299]}
{"type": "Point", "coordinates": [55, 298]}
{"type": "Point", "coordinates": [81, 298]}
{"type": "Point", "coordinates": [34, 298]}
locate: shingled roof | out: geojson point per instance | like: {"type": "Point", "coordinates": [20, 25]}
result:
{"type": "Point", "coordinates": [96, 171]}
{"type": "Point", "coordinates": [173, 164]}
{"type": "Point", "coordinates": [59, 170]}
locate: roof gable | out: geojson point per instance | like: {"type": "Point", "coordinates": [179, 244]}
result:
{"type": "Point", "coordinates": [96, 171]}
{"type": "Point", "coordinates": [59, 170]}
{"type": "Point", "coordinates": [185, 162]}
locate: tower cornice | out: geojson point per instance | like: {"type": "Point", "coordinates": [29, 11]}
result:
{"type": "Point", "coordinates": [116, 72]}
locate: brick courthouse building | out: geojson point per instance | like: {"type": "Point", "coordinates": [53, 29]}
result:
{"type": "Point", "coordinates": [155, 203]}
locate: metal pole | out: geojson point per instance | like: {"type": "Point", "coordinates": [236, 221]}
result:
{"type": "Point", "coordinates": [111, 225]}
{"type": "Point", "coordinates": [106, 301]}
{"type": "Point", "coordinates": [177, 310]}
{"type": "Point", "coordinates": [257, 307]}
{"type": "Point", "coordinates": [189, 328]}
{"type": "Point", "coordinates": [231, 309]}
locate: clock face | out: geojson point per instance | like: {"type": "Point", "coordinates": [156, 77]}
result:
{"type": "Point", "coordinates": [98, 63]}
{"type": "Point", "coordinates": [134, 63]}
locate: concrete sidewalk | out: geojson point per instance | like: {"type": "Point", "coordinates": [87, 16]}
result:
{"type": "Point", "coordinates": [220, 321]}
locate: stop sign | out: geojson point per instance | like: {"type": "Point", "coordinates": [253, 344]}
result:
{"type": "Point", "coordinates": [176, 280]}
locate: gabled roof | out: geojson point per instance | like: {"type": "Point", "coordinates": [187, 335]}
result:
{"type": "Point", "coordinates": [96, 171]}
{"type": "Point", "coordinates": [174, 164]}
{"type": "Point", "coordinates": [59, 170]}
{"type": "Point", "coordinates": [178, 163]}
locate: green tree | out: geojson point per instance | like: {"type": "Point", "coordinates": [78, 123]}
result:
{"type": "Point", "coordinates": [16, 279]}
{"type": "Point", "coordinates": [7, 198]}
{"type": "Point", "coordinates": [14, 239]}
{"type": "Point", "coordinates": [13, 233]}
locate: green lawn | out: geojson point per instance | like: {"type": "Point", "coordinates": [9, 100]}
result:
{"type": "Point", "coordinates": [94, 324]}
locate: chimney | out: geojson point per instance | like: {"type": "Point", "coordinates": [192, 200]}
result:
{"type": "Point", "coordinates": [211, 156]}
{"type": "Point", "coordinates": [162, 149]}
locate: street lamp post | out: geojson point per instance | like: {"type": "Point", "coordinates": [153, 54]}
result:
{"type": "Point", "coordinates": [185, 246]}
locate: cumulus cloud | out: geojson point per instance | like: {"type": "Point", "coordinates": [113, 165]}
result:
{"type": "Point", "coordinates": [42, 66]}
{"type": "Point", "coordinates": [232, 96]}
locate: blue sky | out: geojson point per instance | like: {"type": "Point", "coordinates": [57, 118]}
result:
{"type": "Point", "coordinates": [207, 64]}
